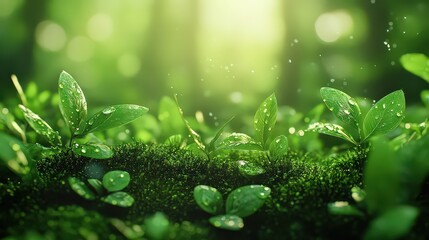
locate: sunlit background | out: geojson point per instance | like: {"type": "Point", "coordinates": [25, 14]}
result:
{"type": "Point", "coordinates": [220, 56]}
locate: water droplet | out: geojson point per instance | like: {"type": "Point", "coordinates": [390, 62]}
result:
{"type": "Point", "coordinates": [83, 150]}
{"type": "Point", "coordinates": [109, 110]}
{"type": "Point", "coordinates": [351, 102]}
{"type": "Point", "coordinates": [61, 86]}
{"type": "Point", "coordinates": [399, 114]}
{"type": "Point", "coordinates": [346, 111]}
{"type": "Point", "coordinates": [384, 106]}
{"type": "Point", "coordinates": [91, 121]}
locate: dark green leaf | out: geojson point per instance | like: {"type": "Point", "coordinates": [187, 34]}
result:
{"type": "Point", "coordinates": [157, 226]}
{"type": "Point", "coordinates": [116, 180]}
{"type": "Point", "coordinates": [227, 222]}
{"type": "Point", "coordinates": [416, 63]}
{"type": "Point", "coordinates": [93, 150]}
{"type": "Point", "coordinates": [211, 147]}
{"type": "Point", "coordinates": [72, 102]}
{"type": "Point", "coordinates": [14, 155]}
{"type": "Point", "coordinates": [96, 184]}
{"type": "Point", "coordinates": [113, 116]}
{"type": "Point", "coordinates": [249, 169]}
{"type": "Point", "coordinates": [239, 141]}
{"type": "Point", "coordinates": [279, 147]}
{"type": "Point", "coordinates": [344, 107]}
{"type": "Point", "coordinates": [343, 208]}
{"type": "Point", "coordinates": [393, 224]}
{"type": "Point", "coordinates": [385, 115]}
{"type": "Point", "coordinates": [265, 119]}
{"type": "Point", "coordinates": [120, 199]}
{"type": "Point", "coordinates": [381, 178]}
{"type": "Point", "coordinates": [208, 198]}
{"type": "Point", "coordinates": [245, 201]}
{"type": "Point", "coordinates": [80, 188]}
{"type": "Point", "coordinates": [332, 130]}
{"type": "Point", "coordinates": [40, 126]}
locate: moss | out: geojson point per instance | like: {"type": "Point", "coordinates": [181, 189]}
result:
{"type": "Point", "coordinates": [163, 178]}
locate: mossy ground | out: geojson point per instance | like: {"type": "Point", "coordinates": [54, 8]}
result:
{"type": "Point", "coordinates": [163, 179]}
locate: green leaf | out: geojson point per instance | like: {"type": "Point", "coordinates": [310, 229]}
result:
{"type": "Point", "coordinates": [239, 141]}
{"type": "Point", "coordinates": [72, 102]}
{"type": "Point", "coordinates": [211, 147]}
{"type": "Point", "coordinates": [7, 119]}
{"type": "Point", "coordinates": [249, 169]}
{"type": "Point", "coordinates": [382, 177]}
{"type": "Point", "coordinates": [134, 231]}
{"type": "Point", "coordinates": [113, 116]}
{"type": "Point", "coordinates": [80, 188]}
{"type": "Point", "coordinates": [343, 208]}
{"type": "Point", "coordinates": [208, 198]}
{"type": "Point", "coordinates": [40, 126]}
{"type": "Point", "coordinates": [417, 64]}
{"type": "Point", "coordinates": [120, 199]}
{"type": "Point", "coordinates": [245, 201]}
{"type": "Point", "coordinates": [174, 140]}
{"type": "Point", "coordinates": [96, 184]}
{"type": "Point", "coordinates": [265, 119]}
{"type": "Point", "coordinates": [424, 95]}
{"type": "Point", "coordinates": [385, 115]}
{"type": "Point", "coordinates": [116, 180]}
{"type": "Point", "coordinates": [93, 150]}
{"type": "Point", "coordinates": [344, 107]}
{"type": "Point", "coordinates": [393, 224]}
{"type": "Point", "coordinates": [156, 226]}
{"type": "Point", "coordinates": [227, 222]}
{"type": "Point", "coordinates": [14, 155]}
{"type": "Point", "coordinates": [195, 136]}
{"type": "Point", "coordinates": [332, 130]}
{"type": "Point", "coordinates": [279, 147]}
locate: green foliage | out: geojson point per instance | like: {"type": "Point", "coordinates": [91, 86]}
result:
{"type": "Point", "coordinates": [279, 147]}
{"type": "Point", "coordinates": [245, 201]}
{"type": "Point", "coordinates": [14, 155]}
{"type": "Point", "coordinates": [208, 198]}
{"type": "Point", "coordinates": [265, 119]}
{"type": "Point", "coordinates": [384, 116]}
{"type": "Point", "coordinates": [116, 180]}
{"type": "Point", "coordinates": [416, 63]}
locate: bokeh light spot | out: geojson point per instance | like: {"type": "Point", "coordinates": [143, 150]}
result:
{"type": "Point", "coordinates": [100, 27]}
{"type": "Point", "coordinates": [129, 65]}
{"type": "Point", "coordinates": [50, 36]}
{"type": "Point", "coordinates": [331, 26]}
{"type": "Point", "coordinates": [80, 49]}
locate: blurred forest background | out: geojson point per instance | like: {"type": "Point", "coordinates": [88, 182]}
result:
{"type": "Point", "coordinates": [220, 56]}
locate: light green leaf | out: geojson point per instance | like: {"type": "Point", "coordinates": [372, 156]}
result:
{"type": "Point", "coordinates": [417, 64]}
{"type": "Point", "coordinates": [116, 180]}
{"type": "Point", "coordinates": [344, 107]}
{"type": "Point", "coordinates": [93, 150]}
{"type": "Point", "coordinates": [96, 184]}
{"type": "Point", "coordinates": [239, 141]}
{"type": "Point", "coordinates": [279, 147]}
{"type": "Point", "coordinates": [40, 126]}
{"type": "Point", "coordinates": [343, 208]}
{"type": "Point", "coordinates": [72, 102]}
{"type": "Point", "coordinates": [80, 188]}
{"type": "Point", "coordinates": [332, 130]}
{"type": "Point", "coordinates": [211, 147]}
{"type": "Point", "coordinates": [120, 199]}
{"type": "Point", "coordinates": [385, 115]}
{"type": "Point", "coordinates": [7, 119]}
{"type": "Point", "coordinates": [382, 177]}
{"type": "Point", "coordinates": [14, 155]}
{"type": "Point", "coordinates": [195, 136]}
{"type": "Point", "coordinates": [227, 222]}
{"type": "Point", "coordinates": [208, 198]}
{"type": "Point", "coordinates": [393, 224]}
{"type": "Point", "coordinates": [265, 119]}
{"type": "Point", "coordinates": [156, 226]}
{"type": "Point", "coordinates": [113, 116]}
{"type": "Point", "coordinates": [424, 95]}
{"type": "Point", "coordinates": [249, 169]}
{"type": "Point", "coordinates": [245, 201]}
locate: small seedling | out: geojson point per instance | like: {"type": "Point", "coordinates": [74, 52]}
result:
{"type": "Point", "coordinates": [384, 116]}
{"type": "Point", "coordinates": [108, 190]}
{"type": "Point", "coordinates": [240, 203]}
{"type": "Point", "coordinates": [74, 111]}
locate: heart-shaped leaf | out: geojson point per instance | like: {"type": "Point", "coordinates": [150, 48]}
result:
{"type": "Point", "coordinates": [80, 188]}
{"type": "Point", "coordinates": [93, 150]}
{"type": "Point", "coordinates": [245, 201]}
{"type": "Point", "coordinates": [120, 199]}
{"type": "Point", "coordinates": [40, 126]}
{"type": "Point", "coordinates": [344, 107]}
{"type": "Point", "coordinates": [72, 102]}
{"type": "Point", "coordinates": [332, 130]}
{"type": "Point", "coordinates": [227, 222]}
{"type": "Point", "coordinates": [278, 147]}
{"type": "Point", "coordinates": [417, 64]}
{"type": "Point", "coordinates": [113, 116]}
{"type": "Point", "coordinates": [208, 198]}
{"type": "Point", "coordinates": [385, 115]}
{"type": "Point", "coordinates": [116, 180]}
{"type": "Point", "coordinates": [265, 119]}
